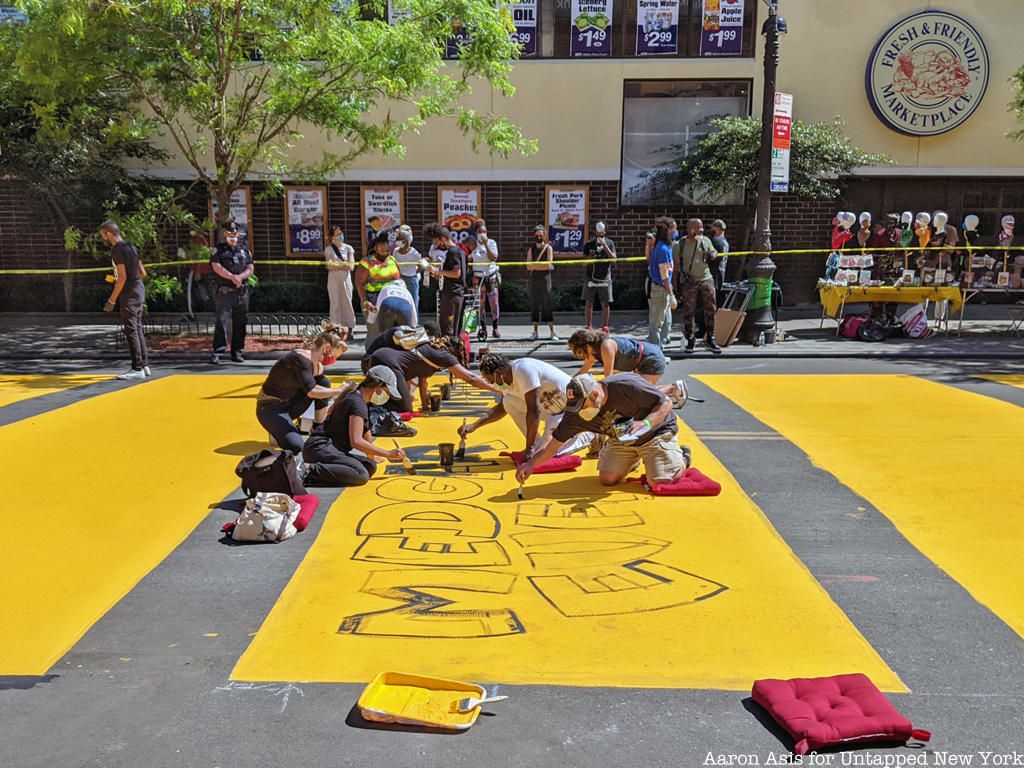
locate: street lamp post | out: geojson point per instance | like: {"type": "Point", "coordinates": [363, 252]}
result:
{"type": "Point", "coordinates": [759, 310]}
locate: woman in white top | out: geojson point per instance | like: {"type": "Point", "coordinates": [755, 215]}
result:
{"type": "Point", "coordinates": [486, 275]}
{"type": "Point", "coordinates": [340, 260]}
{"type": "Point", "coordinates": [410, 263]}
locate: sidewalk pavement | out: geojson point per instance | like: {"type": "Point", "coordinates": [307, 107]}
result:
{"type": "Point", "coordinates": [985, 334]}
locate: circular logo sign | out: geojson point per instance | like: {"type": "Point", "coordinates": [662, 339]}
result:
{"type": "Point", "coordinates": [927, 74]}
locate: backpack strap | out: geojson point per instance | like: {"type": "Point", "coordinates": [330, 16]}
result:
{"type": "Point", "coordinates": [422, 357]}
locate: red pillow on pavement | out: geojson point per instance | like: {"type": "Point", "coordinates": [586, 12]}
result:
{"type": "Point", "coordinates": [567, 463]}
{"type": "Point", "coordinates": [829, 711]}
{"type": "Point", "coordinates": [691, 483]}
{"type": "Point", "coordinates": [307, 506]}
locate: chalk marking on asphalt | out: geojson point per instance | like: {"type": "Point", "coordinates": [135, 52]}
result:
{"type": "Point", "coordinates": [285, 690]}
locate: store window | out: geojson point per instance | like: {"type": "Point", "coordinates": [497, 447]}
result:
{"type": "Point", "coordinates": [990, 204]}
{"type": "Point", "coordinates": [664, 118]}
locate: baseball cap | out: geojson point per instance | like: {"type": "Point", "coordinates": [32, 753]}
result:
{"type": "Point", "coordinates": [718, 224]}
{"type": "Point", "coordinates": [577, 391]}
{"type": "Point", "coordinates": [385, 376]}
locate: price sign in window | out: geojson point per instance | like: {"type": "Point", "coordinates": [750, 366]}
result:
{"type": "Point", "coordinates": [591, 33]}
{"type": "Point", "coordinates": [305, 210]}
{"type": "Point", "coordinates": [721, 31]}
{"type": "Point", "coordinates": [657, 27]}
{"type": "Point", "coordinates": [568, 212]}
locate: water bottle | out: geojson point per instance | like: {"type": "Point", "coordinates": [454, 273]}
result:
{"type": "Point", "coordinates": [760, 339]}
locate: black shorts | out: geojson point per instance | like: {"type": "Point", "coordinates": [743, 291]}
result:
{"type": "Point", "coordinates": [602, 292]}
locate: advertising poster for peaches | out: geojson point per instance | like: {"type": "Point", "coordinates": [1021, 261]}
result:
{"type": "Point", "coordinates": [459, 209]}
{"type": "Point", "coordinates": [567, 218]}
{"type": "Point", "coordinates": [306, 211]}
{"type": "Point", "coordinates": [383, 211]}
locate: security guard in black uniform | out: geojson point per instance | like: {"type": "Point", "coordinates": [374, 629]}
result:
{"type": "Point", "coordinates": [232, 265]}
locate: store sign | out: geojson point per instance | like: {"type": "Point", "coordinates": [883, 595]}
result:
{"type": "Point", "coordinates": [460, 210]}
{"type": "Point", "coordinates": [10, 14]}
{"type": "Point", "coordinates": [383, 211]}
{"type": "Point", "coordinates": [396, 15]}
{"type": "Point", "coordinates": [721, 32]}
{"type": "Point", "coordinates": [927, 74]}
{"type": "Point", "coordinates": [305, 210]}
{"type": "Point", "coordinates": [657, 27]}
{"type": "Point", "coordinates": [782, 132]}
{"type": "Point", "coordinates": [591, 33]}
{"type": "Point", "coordinates": [568, 208]}
{"type": "Point", "coordinates": [459, 38]}
{"type": "Point", "coordinates": [524, 16]}
{"type": "Point", "coordinates": [241, 213]}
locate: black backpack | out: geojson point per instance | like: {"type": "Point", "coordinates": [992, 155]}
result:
{"type": "Point", "coordinates": [270, 472]}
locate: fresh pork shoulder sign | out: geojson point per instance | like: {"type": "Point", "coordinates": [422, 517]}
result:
{"type": "Point", "coordinates": [927, 74]}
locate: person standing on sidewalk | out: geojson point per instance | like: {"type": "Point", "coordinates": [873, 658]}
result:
{"type": "Point", "coordinates": [541, 261]}
{"type": "Point", "coordinates": [454, 270]}
{"type": "Point", "coordinates": [378, 269]}
{"type": "Point", "coordinates": [340, 259]}
{"type": "Point", "coordinates": [695, 281]}
{"type": "Point", "coordinates": [128, 288]}
{"type": "Point", "coordinates": [232, 266]}
{"type": "Point", "coordinates": [659, 275]}
{"type": "Point", "coordinates": [599, 276]}
{"type": "Point", "coordinates": [410, 263]}
{"type": "Point", "coordinates": [487, 275]}
{"type": "Point", "coordinates": [719, 265]}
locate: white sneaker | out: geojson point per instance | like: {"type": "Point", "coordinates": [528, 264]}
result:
{"type": "Point", "coordinates": [131, 375]}
{"type": "Point", "coordinates": [533, 336]}
{"type": "Point", "coordinates": [145, 370]}
{"type": "Point", "coordinates": [554, 336]}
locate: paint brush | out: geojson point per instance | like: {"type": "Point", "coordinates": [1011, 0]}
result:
{"type": "Point", "coordinates": [406, 464]}
{"type": "Point", "coordinates": [519, 493]}
{"type": "Point", "coordinates": [471, 703]}
{"type": "Point", "coordinates": [461, 452]}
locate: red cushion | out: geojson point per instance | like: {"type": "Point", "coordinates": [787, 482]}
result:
{"type": "Point", "coordinates": [408, 415]}
{"type": "Point", "coordinates": [566, 463]}
{"type": "Point", "coordinates": [691, 483]}
{"type": "Point", "coordinates": [307, 506]}
{"type": "Point", "coordinates": [825, 711]}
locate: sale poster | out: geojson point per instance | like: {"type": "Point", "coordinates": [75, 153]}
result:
{"type": "Point", "coordinates": [459, 38]}
{"type": "Point", "coordinates": [383, 211]}
{"type": "Point", "coordinates": [568, 208]}
{"type": "Point", "coordinates": [591, 33]}
{"type": "Point", "coordinates": [657, 27]}
{"type": "Point", "coordinates": [396, 15]}
{"type": "Point", "coordinates": [305, 210]}
{"type": "Point", "coordinates": [241, 213]}
{"type": "Point", "coordinates": [524, 16]}
{"type": "Point", "coordinates": [459, 209]}
{"type": "Point", "coordinates": [722, 28]}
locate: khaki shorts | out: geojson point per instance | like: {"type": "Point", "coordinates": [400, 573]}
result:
{"type": "Point", "coordinates": [662, 457]}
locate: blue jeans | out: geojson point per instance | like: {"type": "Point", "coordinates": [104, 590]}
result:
{"type": "Point", "coordinates": [659, 318]}
{"type": "Point", "coordinates": [413, 284]}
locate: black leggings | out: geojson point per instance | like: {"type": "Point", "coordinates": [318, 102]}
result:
{"type": "Point", "coordinates": [540, 293]}
{"type": "Point", "coordinates": [327, 465]}
{"type": "Point", "coordinates": [279, 419]}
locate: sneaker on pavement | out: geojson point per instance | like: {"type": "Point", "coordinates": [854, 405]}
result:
{"type": "Point", "coordinates": [214, 359]}
{"type": "Point", "coordinates": [554, 337]}
{"type": "Point", "coordinates": [713, 345]}
{"type": "Point", "coordinates": [145, 370]}
{"type": "Point", "coordinates": [132, 375]}
{"type": "Point", "coordinates": [533, 336]}
{"type": "Point", "coordinates": [237, 357]}
{"type": "Point", "coordinates": [679, 395]}
{"type": "Point", "coordinates": [494, 333]}
{"type": "Point", "coordinates": [690, 344]}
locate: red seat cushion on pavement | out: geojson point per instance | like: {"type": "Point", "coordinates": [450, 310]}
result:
{"type": "Point", "coordinates": [691, 483]}
{"type": "Point", "coordinates": [307, 506]}
{"type": "Point", "coordinates": [409, 415]}
{"type": "Point", "coordinates": [828, 711]}
{"type": "Point", "coordinates": [567, 463]}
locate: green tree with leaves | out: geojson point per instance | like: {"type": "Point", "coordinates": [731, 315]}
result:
{"type": "Point", "coordinates": [727, 159]}
{"type": "Point", "coordinates": [1017, 104]}
{"type": "Point", "coordinates": [236, 83]}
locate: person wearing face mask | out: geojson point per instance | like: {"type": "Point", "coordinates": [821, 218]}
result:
{"type": "Point", "coordinates": [340, 451]}
{"type": "Point", "coordinates": [339, 259]}
{"type": "Point", "coordinates": [622, 354]}
{"type": "Point", "coordinates": [455, 272]}
{"type": "Point", "coordinates": [378, 269]}
{"type": "Point", "coordinates": [487, 275]}
{"type": "Point", "coordinates": [232, 266]}
{"type": "Point", "coordinates": [417, 365]}
{"type": "Point", "coordinates": [695, 253]}
{"type": "Point", "coordinates": [295, 381]}
{"type": "Point", "coordinates": [532, 394]}
{"type": "Point", "coordinates": [636, 417]}
{"type": "Point", "coordinates": [540, 258]}
{"type": "Point", "coordinates": [410, 263]}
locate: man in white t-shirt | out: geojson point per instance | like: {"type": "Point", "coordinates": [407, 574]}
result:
{"type": "Point", "coordinates": [532, 393]}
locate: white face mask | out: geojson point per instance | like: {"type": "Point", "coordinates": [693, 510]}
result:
{"type": "Point", "coordinates": [380, 398]}
{"type": "Point", "coordinates": [590, 412]}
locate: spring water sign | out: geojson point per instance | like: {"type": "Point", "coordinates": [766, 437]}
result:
{"type": "Point", "coordinates": [927, 74]}
{"type": "Point", "coordinates": [657, 27]}
{"type": "Point", "coordinates": [591, 33]}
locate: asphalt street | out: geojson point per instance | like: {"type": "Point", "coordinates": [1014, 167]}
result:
{"type": "Point", "coordinates": [149, 684]}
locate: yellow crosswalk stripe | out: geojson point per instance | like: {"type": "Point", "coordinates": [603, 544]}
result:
{"type": "Point", "coordinates": [15, 388]}
{"type": "Point", "coordinates": [1013, 380]}
{"type": "Point", "coordinates": [943, 464]}
{"type": "Point", "coordinates": [102, 491]}
{"type": "Point", "coordinates": [577, 584]}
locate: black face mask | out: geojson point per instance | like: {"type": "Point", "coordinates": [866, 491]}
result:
{"type": "Point", "coordinates": [540, 239]}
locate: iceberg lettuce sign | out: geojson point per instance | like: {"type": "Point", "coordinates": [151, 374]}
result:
{"type": "Point", "coordinates": [591, 33]}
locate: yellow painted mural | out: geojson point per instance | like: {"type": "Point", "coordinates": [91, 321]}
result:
{"type": "Point", "coordinates": [15, 388]}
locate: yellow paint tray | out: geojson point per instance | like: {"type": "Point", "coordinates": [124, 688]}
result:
{"type": "Point", "coordinates": [397, 697]}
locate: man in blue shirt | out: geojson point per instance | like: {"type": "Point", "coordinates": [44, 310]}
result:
{"type": "Point", "coordinates": [659, 275]}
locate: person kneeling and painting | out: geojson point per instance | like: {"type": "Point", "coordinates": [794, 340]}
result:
{"type": "Point", "coordinates": [636, 417]}
{"type": "Point", "coordinates": [340, 451]}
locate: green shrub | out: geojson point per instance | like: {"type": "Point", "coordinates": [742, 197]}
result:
{"type": "Point", "coordinates": [289, 296]}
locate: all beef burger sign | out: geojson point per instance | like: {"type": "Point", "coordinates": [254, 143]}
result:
{"type": "Point", "coordinates": [927, 74]}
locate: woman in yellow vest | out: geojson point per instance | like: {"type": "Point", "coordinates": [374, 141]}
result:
{"type": "Point", "coordinates": [378, 269]}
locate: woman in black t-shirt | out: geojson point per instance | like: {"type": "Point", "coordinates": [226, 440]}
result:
{"type": "Point", "coordinates": [339, 452]}
{"type": "Point", "coordinates": [420, 363]}
{"type": "Point", "coordinates": [295, 381]}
